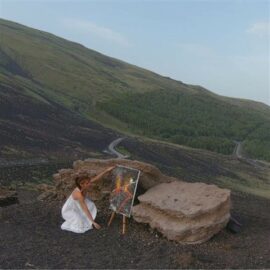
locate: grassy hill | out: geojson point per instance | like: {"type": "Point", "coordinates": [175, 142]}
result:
{"type": "Point", "coordinates": [51, 72]}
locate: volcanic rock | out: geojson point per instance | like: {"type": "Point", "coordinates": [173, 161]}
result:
{"type": "Point", "coordinates": [186, 212]}
{"type": "Point", "coordinates": [65, 178]}
{"type": "Point", "coordinates": [7, 196]}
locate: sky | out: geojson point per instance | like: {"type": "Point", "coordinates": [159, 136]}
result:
{"type": "Point", "coordinates": [222, 45]}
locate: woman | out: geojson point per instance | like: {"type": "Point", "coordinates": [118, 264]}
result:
{"type": "Point", "coordinates": [79, 211]}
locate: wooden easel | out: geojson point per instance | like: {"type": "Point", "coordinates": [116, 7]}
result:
{"type": "Point", "coordinates": [124, 222]}
{"type": "Point", "coordinates": [118, 188]}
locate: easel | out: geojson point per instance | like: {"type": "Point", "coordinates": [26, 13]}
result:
{"type": "Point", "coordinates": [124, 222]}
{"type": "Point", "coordinates": [129, 196]}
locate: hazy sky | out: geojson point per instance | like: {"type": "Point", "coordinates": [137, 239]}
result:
{"type": "Point", "coordinates": [221, 45]}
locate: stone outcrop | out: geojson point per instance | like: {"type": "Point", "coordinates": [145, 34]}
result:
{"type": "Point", "coordinates": [65, 178]}
{"type": "Point", "coordinates": [186, 212]}
{"type": "Point", "coordinates": [7, 196]}
{"type": "Point", "coordinates": [47, 191]}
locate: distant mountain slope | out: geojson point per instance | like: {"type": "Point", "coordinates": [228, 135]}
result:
{"type": "Point", "coordinates": [50, 70]}
{"type": "Point", "coordinates": [33, 127]}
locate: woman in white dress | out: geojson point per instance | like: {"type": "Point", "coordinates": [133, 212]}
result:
{"type": "Point", "coordinates": [79, 211]}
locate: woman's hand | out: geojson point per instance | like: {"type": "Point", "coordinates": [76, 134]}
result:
{"type": "Point", "coordinates": [97, 226]}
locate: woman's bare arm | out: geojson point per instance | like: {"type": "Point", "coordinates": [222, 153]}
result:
{"type": "Point", "coordinates": [99, 176]}
{"type": "Point", "coordinates": [78, 196]}
{"type": "Point", "coordinates": [84, 207]}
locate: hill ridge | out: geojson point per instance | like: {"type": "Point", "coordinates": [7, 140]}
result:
{"type": "Point", "coordinates": [125, 97]}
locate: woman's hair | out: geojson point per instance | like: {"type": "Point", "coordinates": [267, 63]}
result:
{"type": "Point", "coordinates": [81, 178]}
{"type": "Point", "coordinates": [84, 175]}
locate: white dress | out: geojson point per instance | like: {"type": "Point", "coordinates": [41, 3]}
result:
{"type": "Point", "coordinates": [75, 218]}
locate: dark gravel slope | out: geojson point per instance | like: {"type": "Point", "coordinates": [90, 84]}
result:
{"type": "Point", "coordinates": [30, 237]}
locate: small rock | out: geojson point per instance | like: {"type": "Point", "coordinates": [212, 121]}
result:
{"type": "Point", "coordinates": [29, 264]}
{"type": "Point", "coordinates": [8, 197]}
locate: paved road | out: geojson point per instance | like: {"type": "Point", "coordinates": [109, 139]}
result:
{"type": "Point", "coordinates": [111, 149]}
{"type": "Point", "coordinates": [238, 149]}
{"type": "Point", "coordinates": [238, 154]}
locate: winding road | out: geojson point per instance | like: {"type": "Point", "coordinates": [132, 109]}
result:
{"type": "Point", "coordinates": [238, 149]}
{"type": "Point", "coordinates": [111, 149]}
{"type": "Point", "coordinates": [238, 153]}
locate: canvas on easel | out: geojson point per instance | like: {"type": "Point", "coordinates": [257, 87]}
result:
{"type": "Point", "coordinates": [124, 185]}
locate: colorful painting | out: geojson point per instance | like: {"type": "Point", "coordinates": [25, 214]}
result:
{"type": "Point", "coordinates": [124, 185]}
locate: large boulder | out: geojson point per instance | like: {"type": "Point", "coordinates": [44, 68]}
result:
{"type": "Point", "coordinates": [186, 212]}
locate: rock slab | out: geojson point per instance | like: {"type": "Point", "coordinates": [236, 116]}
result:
{"type": "Point", "coordinates": [186, 212]}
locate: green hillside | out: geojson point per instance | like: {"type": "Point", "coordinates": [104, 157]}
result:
{"type": "Point", "coordinates": [125, 97]}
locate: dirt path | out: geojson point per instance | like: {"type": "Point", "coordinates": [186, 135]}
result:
{"type": "Point", "coordinates": [22, 162]}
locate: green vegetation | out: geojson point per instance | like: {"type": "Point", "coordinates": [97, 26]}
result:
{"type": "Point", "coordinates": [257, 143]}
{"type": "Point", "coordinates": [253, 185]}
{"type": "Point", "coordinates": [53, 70]}
{"type": "Point", "coordinates": [121, 149]}
{"type": "Point", "coordinates": [198, 120]}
